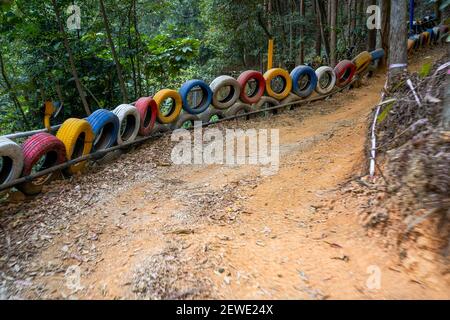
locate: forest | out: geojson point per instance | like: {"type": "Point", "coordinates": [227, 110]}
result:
{"type": "Point", "coordinates": [93, 54]}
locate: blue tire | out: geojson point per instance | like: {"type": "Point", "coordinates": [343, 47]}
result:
{"type": "Point", "coordinates": [206, 100]}
{"type": "Point", "coordinates": [432, 35]}
{"type": "Point", "coordinates": [105, 126]}
{"type": "Point", "coordinates": [305, 89]}
{"type": "Point", "coordinates": [377, 54]}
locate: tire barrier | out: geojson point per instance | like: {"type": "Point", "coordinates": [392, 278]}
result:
{"type": "Point", "coordinates": [265, 103]}
{"type": "Point", "coordinates": [176, 104]}
{"type": "Point", "coordinates": [326, 80]}
{"type": "Point", "coordinates": [437, 34]}
{"type": "Point", "coordinates": [185, 120]}
{"type": "Point", "coordinates": [40, 147]}
{"type": "Point", "coordinates": [77, 137]}
{"type": "Point", "coordinates": [377, 54]}
{"type": "Point", "coordinates": [103, 129]}
{"type": "Point", "coordinates": [11, 160]}
{"type": "Point", "coordinates": [238, 109]}
{"type": "Point", "coordinates": [286, 80]}
{"type": "Point", "coordinates": [232, 95]}
{"type": "Point", "coordinates": [105, 125]}
{"type": "Point", "coordinates": [362, 61]}
{"type": "Point", "coordinates": [130, 121]}
{"type": "Point", "coordinates": [212, 115]}
{"type": "Point", "coordinates": [422, 40]}
{"type": "Point", "coordinates": [345, 71]}
{"type": "Point", "coordinates": [417, 41]}
{"type": "Point", "coordinates": [410, 45]}
{"type": "Point", "coordinates": [205, 102]}
{"type": "Point", "coordinates": [443, 29]}
{"type": "Point", "coordinates": [432, 35]}
{"type": "Point", "coordinates": [256, 94]}
{"type": "Point", "coordinates": [147, 109]}
{"type": "Point", "coordinates": [304, 81]}
{"type": "Point", "coordinates": [426, 39]}
{"type": "Point", "coordinates": [292, 97]}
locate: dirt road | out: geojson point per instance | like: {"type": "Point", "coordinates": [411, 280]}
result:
{"type": "Point", "coordinates": [141, 227]}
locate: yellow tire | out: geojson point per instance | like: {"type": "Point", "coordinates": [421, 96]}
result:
{"type": "Point", "coordinates": [362, 61]}
{"type": "Point", "coordinates": [287, 81]}
{"type": "Point", "coordinates": [175, 110]}
{"type": "Point", "coordinates": [77, 136]}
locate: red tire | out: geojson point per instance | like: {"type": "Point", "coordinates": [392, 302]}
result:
{"type": "Point", "coordinates": [243, 80]}
{"type": "Point", "coordinates": [148, 109]}
{"type": "Point", "coordinates": [345, 71]}
{"type": "Point", "coordinates": [41, 146]}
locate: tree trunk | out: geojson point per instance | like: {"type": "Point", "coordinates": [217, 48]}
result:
{"type": "Point", "coordinates": [353, 22]}
{"type": "Point", "coordinates": [385, 28]}
{"type": "Point", "coordinates": [71, 61]}
{"type": "Point", "coordinates": [12, 93]}
{"type": "Point", "coordinates": [438, 12]}
{"type": "Point", "coordinates": [130, 49]}
{"type": "Point", "coordinates": [138, 48]}
{"type": "Point", "coordinates": [302, 32]}
{"type": "Point", "coordinates": [113, 52]}
{"type": "Point", "coordinates": [398, 57]}
{"type": "Point", "coordinates": [333, 18]}
{"type": "Point", "coordinates": [446, 104]}
{"type": "Point", "coordinates": [318, 40]}
{"type": "Point", "coordinates": [322, 18]}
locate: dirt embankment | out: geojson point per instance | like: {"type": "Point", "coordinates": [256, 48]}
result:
{"type": "Point", "coordinates": [141, 227]}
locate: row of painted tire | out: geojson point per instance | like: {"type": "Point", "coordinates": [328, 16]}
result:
{"type": "Point", "coordinates": [436, 35]}
{"type": "Point", "coordinates": [104, 129]}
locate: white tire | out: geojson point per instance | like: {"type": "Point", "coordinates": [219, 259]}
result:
{"type": "Point", "coordinates": [223, 82]}
{"type": "Point", "coordinates": [128, 113]}
{"type": "Point", "coordinates": [329, 74]}
{"type": "Point", "coordinates": [12, 160]}
{"type": "Point", "coordinates": [237, 109]}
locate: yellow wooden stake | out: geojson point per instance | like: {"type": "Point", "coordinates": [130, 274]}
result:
{"type": "Point", "coordinates": [270, 55]}
{"type": "Point", "coordinates": [49, 109]}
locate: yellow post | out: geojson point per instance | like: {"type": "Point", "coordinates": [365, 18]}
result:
{"type": "Point", "coordinates": [49, 109]}
{"type": "Point", "coordinates": [270, 55]}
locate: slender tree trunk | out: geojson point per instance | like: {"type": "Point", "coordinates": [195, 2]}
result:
{"type": "Point", "coordinates": [446, 109]}
{"type": "Point", "coordinates": [398, 57]}
{"type": "Point", "coordinates": [318, 39]}
{"type": "Point", "coordinates": [322, 19]}
{"type": "Point", "coordinates": [138, 48]}
{"type": "Point", "coordinates": [130, 49]}
{"type": "Point", "coordinates": [71, 60]}
{"type": "Point", "coordinates": [438, 12]}
{"type": "Point", "coordinates": [385, 28]}
{"type": "Point", "coordinates": [12, 93]}
{"type": "Point", "coordinates": [302, 33]}
{"type": "Point", "coordinates": [123, 89]}
{"type": "Point", "coordinates": [333, 40]}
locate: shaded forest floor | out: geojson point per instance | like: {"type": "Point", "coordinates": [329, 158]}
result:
{"type": "Point", "coordinates": [141, 227]}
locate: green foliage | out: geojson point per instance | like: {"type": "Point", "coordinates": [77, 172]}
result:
{"type": "Point", "coordinates": [425, 70]}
